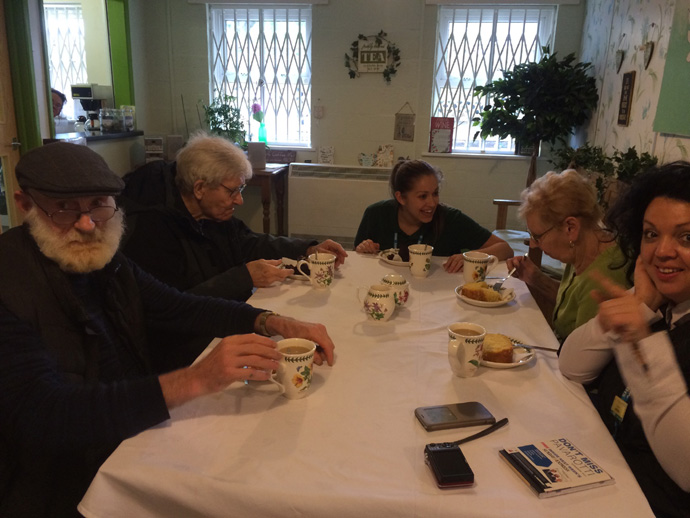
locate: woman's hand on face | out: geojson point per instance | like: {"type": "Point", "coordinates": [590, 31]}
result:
{"type": "Point", "coordinates": [645, 290]}
{"type": "Point", "coordinates": [367, 247]}
{"type": "Point", "coordinates": [454, 263]}
{"type": "Point", "coordinates": [620, 310]}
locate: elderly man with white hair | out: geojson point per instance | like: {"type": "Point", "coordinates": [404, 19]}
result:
{"type": "Point", "coordinates": [186, 210]}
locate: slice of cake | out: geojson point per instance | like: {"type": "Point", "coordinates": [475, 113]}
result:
{"type": "Point", "coordinates": [497, 348]}
{"type": "Point", "coordinates": [392, 254]}
{"type": "Point", "coordinates": [480, 291]}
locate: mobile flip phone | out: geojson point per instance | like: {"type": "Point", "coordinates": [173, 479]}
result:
{"type": "Point", "coordinates": [448, 465]}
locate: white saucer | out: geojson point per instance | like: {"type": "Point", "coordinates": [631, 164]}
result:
{"type": "Point", "coordinates": [521, 354]}
{"type": "Point", "coordinates": [383, 253]}
{"type": "Point", "coordinates": [507, 294]}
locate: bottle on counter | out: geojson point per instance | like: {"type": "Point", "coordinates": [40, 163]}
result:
{"type": "Point", "coordinates": [80, 125]}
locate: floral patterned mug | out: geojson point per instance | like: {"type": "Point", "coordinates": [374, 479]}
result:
{"type": "Point", "coordinates": [379, 304]}
{"type": "Point", "coordinates": [420, 259]}
{"type": "Point", "coordinates": [465, 344]}
{"type": "Point", "coordinates": [477, 265]}
{"type": "Point", "coordinates": [321, 269]}
{"type": "Point", "coordinates": [295, 367]}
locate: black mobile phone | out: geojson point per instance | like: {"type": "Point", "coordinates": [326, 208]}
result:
{"type": "Point", "coordinates": [448, 465]}
{"type": "Point", "coordinates": [457, 415]}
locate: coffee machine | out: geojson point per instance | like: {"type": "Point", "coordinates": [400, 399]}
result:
{"type": "Point", "coordinates": [93, 97]}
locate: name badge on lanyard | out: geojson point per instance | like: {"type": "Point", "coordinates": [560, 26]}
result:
{"type": "Point", "coordinates": [619, 407]}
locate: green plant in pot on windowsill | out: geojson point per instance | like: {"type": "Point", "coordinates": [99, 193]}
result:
{"type": "Point", "coordinates": [223, 119]}
{"type": "Point", "coordinates": [537, 102]}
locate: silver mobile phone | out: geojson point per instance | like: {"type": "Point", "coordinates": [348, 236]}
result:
{"type": "Point", "coordinates": [456, 415]}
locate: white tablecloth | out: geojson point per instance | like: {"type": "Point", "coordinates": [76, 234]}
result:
{"type": "Point", "coordinates": [352, 447]}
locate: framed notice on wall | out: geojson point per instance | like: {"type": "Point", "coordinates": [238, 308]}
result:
{"type": "Point", "coordinates": [441, 137]}
{"type": "Point", "coordinates": [626, 98]}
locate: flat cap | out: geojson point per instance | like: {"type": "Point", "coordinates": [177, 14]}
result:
{"type": "Point", "coordinates": [64, 170]}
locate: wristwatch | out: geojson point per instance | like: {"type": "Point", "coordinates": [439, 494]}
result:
{"type": "Point", "coordinates": [262, 322]}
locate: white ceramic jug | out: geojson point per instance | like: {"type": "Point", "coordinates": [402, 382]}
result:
{"type": "Point", "coordinates": [379, 304]}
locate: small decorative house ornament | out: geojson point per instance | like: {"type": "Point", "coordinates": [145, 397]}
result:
{"type": "Point", "coordinates": [404, 124]}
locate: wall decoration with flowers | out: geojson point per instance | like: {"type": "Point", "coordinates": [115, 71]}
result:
{"type": "Point", "coordinates": [373, 54]}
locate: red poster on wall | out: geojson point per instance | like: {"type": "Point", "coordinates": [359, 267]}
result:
{"type": "Point", "coordinates": [441, 137]}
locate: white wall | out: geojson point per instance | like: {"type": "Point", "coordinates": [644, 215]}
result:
{"type": "Point", "coordinates": [169, 40]}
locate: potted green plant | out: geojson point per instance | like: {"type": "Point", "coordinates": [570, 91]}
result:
{"type": "Point", "coordinates": [538, 102]}
{"type": "Point", "coordinates": [607, 172]}
{"type": "Point", "coordinates": [223, 119]}
{"type": "Point", "coordinates": [590, 161]}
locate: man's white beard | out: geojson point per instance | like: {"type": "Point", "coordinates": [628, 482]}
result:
{"type": "Point", "coordinates": [75, 251]}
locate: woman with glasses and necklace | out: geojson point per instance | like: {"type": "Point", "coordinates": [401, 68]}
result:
{"type": "Point", "coordinates": [564, 220]}
{"type": "Point", "coordinates": [181, 226]}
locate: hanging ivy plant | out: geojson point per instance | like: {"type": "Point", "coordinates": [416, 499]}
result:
{"type": "Point", "coordinates": [352, 59]}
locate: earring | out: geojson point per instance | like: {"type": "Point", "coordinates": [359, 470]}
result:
{"type": "Point", "coordinates": [571, 244]}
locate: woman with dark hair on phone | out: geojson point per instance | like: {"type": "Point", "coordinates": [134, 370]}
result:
{"type": "Point", "coordinates": [414, 215]}
{"type": "Point", "coordinates": [635, 353]}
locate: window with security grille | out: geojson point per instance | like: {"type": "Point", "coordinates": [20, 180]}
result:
{"type": "Point", "coordinates": [473, 47]}
{"type": "Point", "coordinates": [66, 50]}
{"type": "Point", "coordinates": [262, 55]}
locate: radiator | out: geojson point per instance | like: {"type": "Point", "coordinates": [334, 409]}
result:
{"type": "Point", "coordinates": [327, 201]}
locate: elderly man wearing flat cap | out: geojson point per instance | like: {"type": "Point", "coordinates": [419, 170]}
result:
{"type": "Point", "coordinates": [82, 364]}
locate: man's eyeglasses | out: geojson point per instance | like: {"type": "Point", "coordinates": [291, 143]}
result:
{"type": "Point", "coordinates": [537, 237]}
{"type": "Point", "coordinates": [65, 217]}
{"type": "Point", "coordinates": [234, 192]}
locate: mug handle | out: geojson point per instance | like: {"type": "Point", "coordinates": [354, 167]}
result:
{"type": "Point", "coordinates": [273, 379]}
{"type": "Point", "coordinates": [493, 261]}
{"type": "Point", "coordinates": [301, 263]}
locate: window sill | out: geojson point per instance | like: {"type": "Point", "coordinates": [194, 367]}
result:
{"type": "Point", "coordinates": [492, 156]}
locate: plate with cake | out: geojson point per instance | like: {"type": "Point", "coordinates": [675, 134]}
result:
{"type": "Point", "coordinates": [482, 295]}
{"type": "Point", "coordinates": [395, 256]}
{"type": "Point", "coordinates": [503, 352]}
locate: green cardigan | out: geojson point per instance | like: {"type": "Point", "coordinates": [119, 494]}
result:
{"type": "Point", "coordinates": [574, 305]}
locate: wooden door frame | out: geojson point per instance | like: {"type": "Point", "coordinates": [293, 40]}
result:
{"type": "Point", "coordinates": [8, 123]}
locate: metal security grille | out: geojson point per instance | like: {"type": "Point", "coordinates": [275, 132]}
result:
{"type": "Point", "coordinates": [263, 55]}
{"type": "Point", "coordinates": [66, 54]}
{"type": "Point", "coordinates": [473, 47]}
